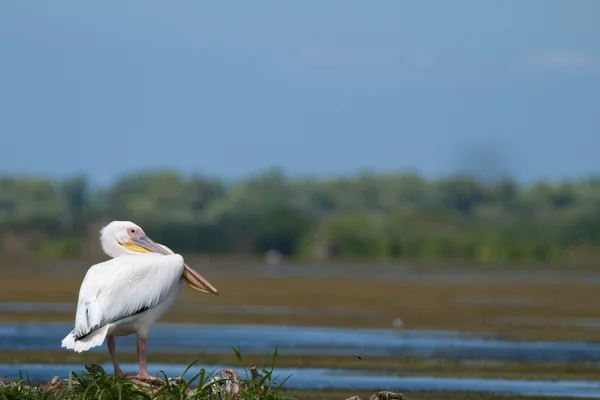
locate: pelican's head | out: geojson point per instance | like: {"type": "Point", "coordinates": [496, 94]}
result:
{"type": "Point", "coordinates": [121, 238]}
{"type": "Point", "coordinates": [124, 238]}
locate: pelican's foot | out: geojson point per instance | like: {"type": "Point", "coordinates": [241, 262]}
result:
{"type": "Point", "coordinates": [142, 377]}
{"type": "Point", "coordinates": [125, 375]}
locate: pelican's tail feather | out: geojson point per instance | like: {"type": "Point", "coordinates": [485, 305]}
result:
{"type": "Point", "coordinates": [94, 339]}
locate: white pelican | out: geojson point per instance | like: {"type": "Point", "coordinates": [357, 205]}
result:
{"type": "Point", "coordinates": [129, 293]}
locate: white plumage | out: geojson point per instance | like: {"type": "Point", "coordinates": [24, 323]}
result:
{"type": "Point", "coordinates": [129, 293]}
{"type": "Point", "coordinates": [120, 296]}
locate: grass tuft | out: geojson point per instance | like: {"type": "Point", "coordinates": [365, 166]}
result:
{"type": "Point", "coordinates": [257, 384]}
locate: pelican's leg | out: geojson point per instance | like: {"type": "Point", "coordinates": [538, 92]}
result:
{"type": "Point", "coordinates": [141, 352]}
{"type": "Point", "coordinates": [110, 340]}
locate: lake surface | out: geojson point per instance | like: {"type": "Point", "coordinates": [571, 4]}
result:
{"type": "Point", "coordinates": [257, 339]}
{"type": "Point", "coordinates": [324, 379]}
{"type": "Point", "coordinates": [262, 339]}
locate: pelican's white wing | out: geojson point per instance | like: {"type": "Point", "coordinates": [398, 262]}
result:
{"type": "Point", "coordinates": [122, 287]}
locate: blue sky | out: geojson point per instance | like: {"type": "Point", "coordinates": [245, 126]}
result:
{"type": "Point", "coordinates": [318, 88]}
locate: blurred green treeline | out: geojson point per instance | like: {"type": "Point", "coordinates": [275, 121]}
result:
{"type": "Point", "coordinates": [370, 216]}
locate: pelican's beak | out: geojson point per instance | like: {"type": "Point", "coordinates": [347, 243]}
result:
{"type": "Point", "coordinates": [191, 277]}
{"type": "Point", "coordinates": [197, 282]}
{"type": "Point", "coordinates": [144, 245]}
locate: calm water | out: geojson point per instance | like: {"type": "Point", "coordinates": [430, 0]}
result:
{"type": "Point", "coordinates": [190, 338]}
{"type": "Point", "coordinates": [323, 379]}
{"type": "Point", "coordinates": [180, 338]}
{"type": "Point", "coordinates": [261, 339]}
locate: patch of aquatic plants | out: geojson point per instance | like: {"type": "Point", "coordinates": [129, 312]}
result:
{"type": "Point", "coordinates": [255, 384]}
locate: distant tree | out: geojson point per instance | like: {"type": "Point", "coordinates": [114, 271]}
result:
{"type": "Point", "coordinates": [461, 194]}
{"type": "Point", "coordinates": [369, 216]}
{"type": "Point", "coordinates": [75, 193]}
